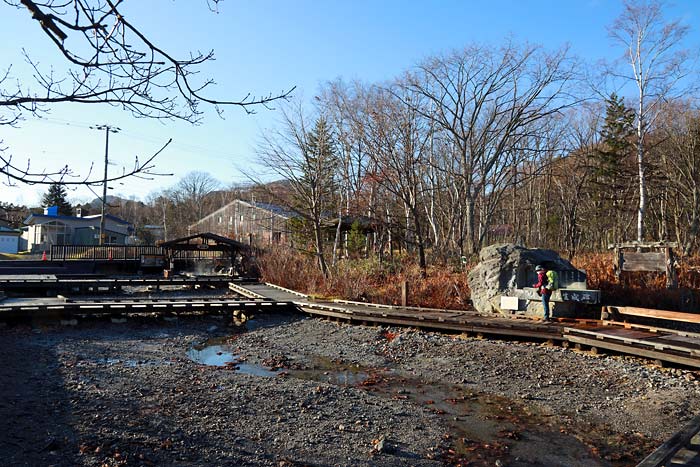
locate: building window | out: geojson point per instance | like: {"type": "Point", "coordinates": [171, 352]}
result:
{"type": "Point", "coordinates": [219, 219]}
{"type": "Point", "coordinates": [230, 220]}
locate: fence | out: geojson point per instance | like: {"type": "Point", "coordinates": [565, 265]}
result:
{"type": "Point", "coordinates": [125, 252]}
{"type": "Point", "coordinates": [103, 252]}
{"type": "Point", "coordinates": [199, 254]}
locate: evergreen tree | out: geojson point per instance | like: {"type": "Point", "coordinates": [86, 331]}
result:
{"type": "Point", "coordinates": [613, 167]}
{"type": "Point", "coordinates": [316, 182]}
{"type": "Point", "coordinates": [321, 162]}
{"type": "Point", "coordinates": [57, 196]}
{"type": "Point", "coordinates": [617, 144]}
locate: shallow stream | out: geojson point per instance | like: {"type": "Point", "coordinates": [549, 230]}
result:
{"type": "Point", "coordinates": [483, 427]}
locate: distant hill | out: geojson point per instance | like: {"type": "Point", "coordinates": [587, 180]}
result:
{"type": "Point", "coordinates": [111, 200]}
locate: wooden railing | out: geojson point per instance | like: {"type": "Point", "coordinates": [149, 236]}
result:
{"type": "Point", "coordinates": [103, 252]}
{"type": "Point", "coordinates": [199, 254]}
{"type": "Point", "coordinates": [123, 252]}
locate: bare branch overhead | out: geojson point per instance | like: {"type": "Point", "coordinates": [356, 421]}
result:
{"type": "Point", "coordinates": [113, 61]}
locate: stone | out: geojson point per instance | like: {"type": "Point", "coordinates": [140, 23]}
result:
{"type": "Point", "coordinates": [508, 270]}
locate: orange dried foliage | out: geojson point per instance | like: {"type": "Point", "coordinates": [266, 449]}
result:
{"type": "Point", "coordinates": [367, 280]}
{"type": "Point", "coordinates": [643, 289]}
{"type": "Point", "coordinates": [389, 336]}
{"type": "Point", "coordinates": [371, 281]}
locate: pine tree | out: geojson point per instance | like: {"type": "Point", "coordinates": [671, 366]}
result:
{"type": "Point", "coordinates": [317, 181]}
{"type": "Point", "coordinates": [617, 142]}
{"type": "Point", "coordinates": [57, 196]}
{"type": "Point", "coordinates": [613, 164]}
{"type": "Point", "coordinates": [321, 161]}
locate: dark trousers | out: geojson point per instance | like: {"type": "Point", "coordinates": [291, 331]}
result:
{"type": "Point", "coordinates": [545, 304]}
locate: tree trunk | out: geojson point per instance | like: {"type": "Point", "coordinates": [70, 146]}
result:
{"type": "Point", "coordinates": [640, 167]}
{"type": "Point", "coordinates": [318, 239]}
{"type": "Point", "coordinates": [470, 222]}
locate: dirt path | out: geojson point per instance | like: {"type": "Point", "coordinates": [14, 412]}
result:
{"type": "Point", "coordinates": [312, 392]}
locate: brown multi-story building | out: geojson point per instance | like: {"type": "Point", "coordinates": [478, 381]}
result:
{"type": "Point", "coordinates": [252, 223]}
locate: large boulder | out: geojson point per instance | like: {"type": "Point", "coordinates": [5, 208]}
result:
{"type": "Point", "coordinates": [509, 270]}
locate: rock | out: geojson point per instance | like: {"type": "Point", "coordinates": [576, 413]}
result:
{"type": "Point", "coordinates": [505, 269]}
{"type": "Point", "coordinates": [378, 445]}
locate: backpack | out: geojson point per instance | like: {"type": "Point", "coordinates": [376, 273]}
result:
{"type": "Point", "coordinates": [552, 280]}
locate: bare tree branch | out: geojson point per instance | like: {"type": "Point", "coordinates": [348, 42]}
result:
{"type": "Point", "coordinates": [66, 176]}
{"type": "Point", "coordinates": [109, 60]}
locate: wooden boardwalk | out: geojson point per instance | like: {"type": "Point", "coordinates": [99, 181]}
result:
{"type": "Point", "coordinates": [681, 450]}
{"type": "Point", "coordinates": [50, 282]}
{"type": "Point", "coordinates": [658, 344]}
{"type": "Point", "coordinates": [67, 308]}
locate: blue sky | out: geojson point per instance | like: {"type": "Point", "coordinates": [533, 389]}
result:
{"type": "Point", "coordinates": [269, 46]}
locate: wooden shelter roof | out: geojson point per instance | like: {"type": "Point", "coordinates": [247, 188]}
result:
{"type": "Point", "coordinates": [204, 241]}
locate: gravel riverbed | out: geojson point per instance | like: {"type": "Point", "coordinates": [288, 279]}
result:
{"type": "Point", "coordinates": [301, 391]}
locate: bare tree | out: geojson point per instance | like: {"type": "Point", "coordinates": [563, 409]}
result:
{"type": "Point", "coordinates": [397, 141]}
{"type": "Point", "coordinates": [108, 60]}
{"type": "Point", "coordinates": [657, 64]}
{"type": "Point", "coordinates": [305, 157]}
{"type": "Point", "coordinates": [680, 155]}
{"type": "Point", "coordinates": [489, 102]}
{"type": "Point", "coordinates": [191, 193]}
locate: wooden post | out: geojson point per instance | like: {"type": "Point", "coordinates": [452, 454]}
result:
{"type": "Point", "coordinates": [618, 263]}
{"type": "Point", "coordinates": [404, 293]}
{"type": "Point", "coordinates": [671, 277]}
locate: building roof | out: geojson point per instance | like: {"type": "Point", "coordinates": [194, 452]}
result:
{"type": "Point", "coordinates": [9, 231]}
{"type": "Point", "coordinates": [213, 242]}
{"type": "Point", "coordinates": [277, 210]}
{"type": "Point", "coordinates": [30, 219]}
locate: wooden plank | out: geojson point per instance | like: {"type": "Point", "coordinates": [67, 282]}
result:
{"type": "Point", "coordinates": [675, 332]}
{"type": "Point", "coordinates": [629, 340]}
{"type": "Point", "coordinates": [684, 340]}
{"type": "Point", "coordinates": [625, 333]}
{"type": "Point", "coordinates": [658, 314]}
{"type": "Point", "coordinates": [636, 244]}
{"type": "Point", "coordinates": [651, 261]}
{"type": "Point", "coordinates": [666, 451]}
{"type": "Point", "coordinates": [546, 333]}
{"type": "Point", "coordinates": [629, 350]}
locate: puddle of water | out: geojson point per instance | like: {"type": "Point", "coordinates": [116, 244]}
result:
{"type": "Point", "coordinates": [325, 370]}
{"type": "Point", "coordinates": [219, 354]}
{"type": "Point", "coordinates": [483, 427]}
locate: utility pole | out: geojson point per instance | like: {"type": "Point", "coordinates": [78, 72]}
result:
{"type": "Point", "coordinates": [108, 129]}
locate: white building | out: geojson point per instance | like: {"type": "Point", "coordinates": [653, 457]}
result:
{"type": "Point", "coordinates": [9, 240]}
{"type": "Point", "coordinates": [50, 228]}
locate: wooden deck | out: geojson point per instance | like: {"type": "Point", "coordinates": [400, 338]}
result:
{"type": "Point", "coordinates": [67, 309]}
{"type": "Point", "coordinates": [658, 344]}
{"type": "Point", "coordinates": [50, 282]}
{"type": "Point", "coordinates": [681, 450]}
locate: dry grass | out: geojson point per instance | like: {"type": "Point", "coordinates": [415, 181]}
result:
{"type": "Point", "coordinates": [367, 280]}
{"type": "Point", "coordinates": [643, 289]}
{"type": "Point", "coordinates": [445, 287]}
